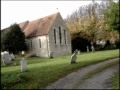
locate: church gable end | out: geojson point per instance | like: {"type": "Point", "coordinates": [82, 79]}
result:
{"type": "Point", "coordinates": [59, 37]}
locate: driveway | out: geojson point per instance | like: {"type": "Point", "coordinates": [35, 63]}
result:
{"type": "Point", "coordinates": [98, 81]}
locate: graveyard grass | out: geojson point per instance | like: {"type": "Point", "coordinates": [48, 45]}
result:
{"type": "Point", "coordinates": [115, 81]}
{"type": "Point", "coordinates": [41, 71]}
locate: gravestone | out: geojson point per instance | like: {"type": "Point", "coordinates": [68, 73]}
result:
{"type": "Point", "coordinates": [76, 51]}
{"type": "Point", "coordinates": [51, 55]}
{"type": "Point", "coordinates": [23, 65]}
{"type": "Point", "coordinates": [12, 56]}
{"type": "Point", "coordinates": [87, 49]}
{"type": "Point", "coordinates": [2, 53]}
{"type": "Point", "coordinates": [6, 57]}
{"type": "Point", "coordinates": [93, 49]}
{"type": "Point", "coordinates": [74, 57]}
{"type": "Point", "coordinates": [79, 52]}
{"type": "Point", "coordinates": [23, 53]}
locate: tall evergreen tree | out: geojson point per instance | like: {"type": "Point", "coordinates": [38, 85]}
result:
{"type": "Point", "coordinates": [13, 39]}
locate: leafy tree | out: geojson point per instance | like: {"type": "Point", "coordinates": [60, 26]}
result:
{"type": "Point", "coordinates": [90, 22]}
{"type": "Point", "coordinates": [112, 14]}
{"type": "Point", "coordinates": [13, 39]}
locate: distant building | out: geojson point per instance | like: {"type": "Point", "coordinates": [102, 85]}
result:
{"type": "Point", "coordinates": [47, 35]}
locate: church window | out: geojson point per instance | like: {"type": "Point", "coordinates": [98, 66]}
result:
{"type": "Point", "coordinates": [55, 36]}
{"type": "Point", "coordinates": [65, 36]}
{"type": "Point", "coordinates": [60, 35]}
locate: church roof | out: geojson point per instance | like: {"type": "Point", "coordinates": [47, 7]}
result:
{"type": "Point", "coordinates": [38, 27]}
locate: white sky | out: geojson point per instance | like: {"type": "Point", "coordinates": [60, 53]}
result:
{"type": "Point", "coordinates": [19, 11]}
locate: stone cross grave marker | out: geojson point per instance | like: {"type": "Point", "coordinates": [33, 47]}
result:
{"type": "Point", "coordinates": [23, 65]}
{"type": "Point", "coordinates": [6, 57]}
{"type": "Point", "coordinates": [74, 57]}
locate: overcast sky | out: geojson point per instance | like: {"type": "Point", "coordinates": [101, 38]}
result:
{"type": "Point", "coordinates": [19, 11]}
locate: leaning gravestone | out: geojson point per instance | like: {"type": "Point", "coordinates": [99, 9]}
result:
{"type": "Point", "coordinates": [74, 57]}
{"type": "Point", "coordinates": [23, 65]}
{"type": "Point", "coordinates": [6, 58]}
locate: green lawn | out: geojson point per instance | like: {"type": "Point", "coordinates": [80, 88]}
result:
{"type": "Point", "coordinates": [115, 81]}
{"type": "Point", "coordinates": [41, 72]}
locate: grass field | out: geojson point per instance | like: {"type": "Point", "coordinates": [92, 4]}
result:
{"type": "Point", "coordinates": [116, 81]}
{"type": "Point", "coordinates": [41, 72]}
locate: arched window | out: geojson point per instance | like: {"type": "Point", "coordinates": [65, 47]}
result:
{"type": "Point", "coordinates": [60, 35]}
{"type": "Point", "coordinates": [55, 36]}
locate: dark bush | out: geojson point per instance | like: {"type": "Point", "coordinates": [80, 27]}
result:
{"type": "Point", "coordinates": [110, 47]}
{"type": "Point", "coordinates": [117, 43]}
{"type": "Point", "coordinates": [80, 43]}
{"type": "Point", "coordinates": [107, 44]}
{"type": "Point", "coordinates": [98, 47]}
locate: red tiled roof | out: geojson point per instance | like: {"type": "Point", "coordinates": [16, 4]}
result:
{"type": "Point", "coordinates": [38, 27]}
{"type": "Point", "coordinates": [23, 25]}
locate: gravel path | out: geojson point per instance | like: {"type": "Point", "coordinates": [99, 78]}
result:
{"type": "Point", "coordinates": [100, 80]}
{"type": "Point", "coordinates": [69, 81]}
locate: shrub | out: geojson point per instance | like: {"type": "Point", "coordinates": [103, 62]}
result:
{"type": "Point", "coordinates": [110, 47]}
{"type": "Point", "coordinates": [80, 43]}
{"type": "Point", "coordinates": [117, 43]}
{"type": "Point", "coordinates": [98, 47]}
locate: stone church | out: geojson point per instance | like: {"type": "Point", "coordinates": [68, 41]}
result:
{"type": "Point", "coordinates": [47, 36]}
